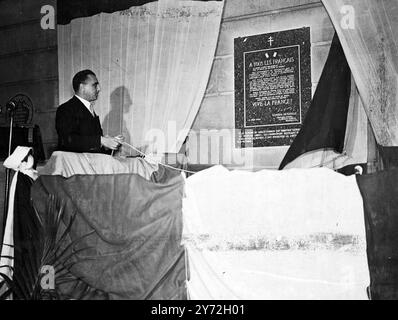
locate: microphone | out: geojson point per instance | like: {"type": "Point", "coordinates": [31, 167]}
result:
{"type": "Point", "coordinates": [10, 106]}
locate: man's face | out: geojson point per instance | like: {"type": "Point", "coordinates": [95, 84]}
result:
{"type": "Point", "coordinates": [90, 89]}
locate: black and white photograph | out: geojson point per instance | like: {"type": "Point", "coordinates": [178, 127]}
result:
{"type": "Point", "coordinates": [201, 153]}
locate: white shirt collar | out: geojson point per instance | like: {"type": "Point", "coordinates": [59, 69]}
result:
{"type": "Point", "coordinates": [86, 103]}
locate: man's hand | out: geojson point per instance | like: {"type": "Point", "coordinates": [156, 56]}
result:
{"type": "Point", "coordinates": [119, 138]}
{"type": "Point", "coordinates": [110, 143]}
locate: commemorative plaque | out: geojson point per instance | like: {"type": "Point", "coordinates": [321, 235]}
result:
{"type": "Point", "coordinates": [272, 87]}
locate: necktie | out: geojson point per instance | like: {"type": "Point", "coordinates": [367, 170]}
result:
{"type": "Point", "coordinates": [92, 109]}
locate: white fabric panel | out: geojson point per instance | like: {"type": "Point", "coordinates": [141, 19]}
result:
{"type": "Point", "coordinates": [7, 249]}
{"type": "Point", "coordinates": [367, 32]}
{"type": "Point", "coordinates": [252, 236]}
{"type": "Point", "coordinates": [68, 164]}
{"type": "Point", "coordinates": [14, 162]}
{"type": "Point", "coordinates": [153, 63]}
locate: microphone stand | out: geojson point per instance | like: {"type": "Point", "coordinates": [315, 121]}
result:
{"type": "Point", "coordinates": [8, 175]}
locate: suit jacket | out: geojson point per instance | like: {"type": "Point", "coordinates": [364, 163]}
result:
{"type": "Point", "coordinates": [78, 130]}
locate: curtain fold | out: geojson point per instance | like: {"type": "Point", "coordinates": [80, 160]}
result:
{"type": "Point", "coordinates": [153, 63]}
{"type": "Point", "coordinates": [367, 31]}
{"type": "Point", "coordinates": [334, 134]}
{"type": "Point", "coordinates": [355, 150]}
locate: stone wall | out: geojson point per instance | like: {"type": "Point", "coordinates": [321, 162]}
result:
{"type": "Point", "coordinates": [28, 65]}
{"type": "Point", "coordinates": [246, 18]}
{"type": "Point", "coordinates": [32, 53]}
{"type": "Point", "coordinates": [28, 62]}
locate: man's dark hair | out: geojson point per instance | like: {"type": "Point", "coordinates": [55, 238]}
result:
{"type": "Point", "coordinates": [81, 77]}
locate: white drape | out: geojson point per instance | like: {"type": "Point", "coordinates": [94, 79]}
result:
{"type": "Point", "coordinates": [14, 162]}
{"type": "Point", "coordinates": [153, 63]}
{"type": "Point", "coordinates": [249, 235]}
{"type": "Point", "coordinates": [368, 33]}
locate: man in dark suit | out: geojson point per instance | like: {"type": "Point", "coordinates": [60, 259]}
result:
{"type": "Point", "coordinates": [78, 127]}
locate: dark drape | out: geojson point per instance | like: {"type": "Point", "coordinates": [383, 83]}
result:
{"type": "Point", "coordinates": [380, 197]}
{"type": "Point", "coordinates": [389, 156]}
{"type": "Point", "coordinates": [134, 227]}
{"type": "Point", "coordinates": [325, 123]}
{"type": "Point", "coordinates": [68, 10]}
{"type": "Point", "coordinates": [26, 228]}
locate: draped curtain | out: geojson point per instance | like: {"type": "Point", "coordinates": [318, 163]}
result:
{"type": "Point", "coordinates": [355, 149]}
{"type": "Point", "coordinates": [334, 133]}
{"type": "Point", "coordinates": [368, 33]}
{"type": "Point", "coordinates": [153, 63]}
{"type": "Point", "coordinates": [294, 234]}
